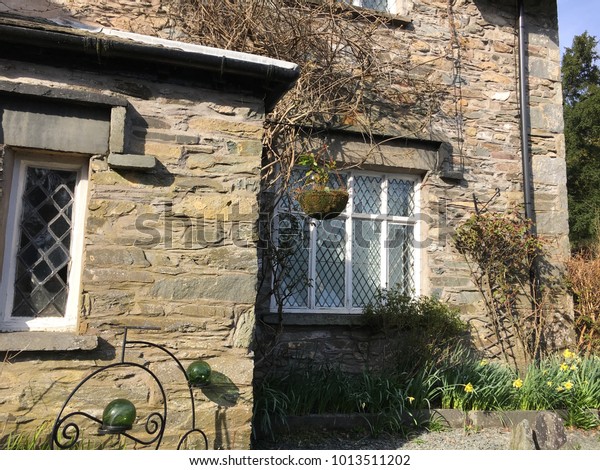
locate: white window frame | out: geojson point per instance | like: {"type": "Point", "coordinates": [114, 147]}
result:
{"type": "Point", "coordinates": [412, 220]}
{"type": "Point", "coordinates": [67, 323]}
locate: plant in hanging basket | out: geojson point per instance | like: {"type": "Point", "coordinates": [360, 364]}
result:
{"type": "Point", "coordinates": [316, 198]}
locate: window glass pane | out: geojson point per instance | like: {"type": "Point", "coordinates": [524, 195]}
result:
{"type": "Point", "coordinates": [288, 200]}
{"type": "Point", "coordinates": [293, 254]}
{"type": "Point", "coordinates": [330, 283]}
{"type": "Point", "coordinates": [401, 197]}
{"type": "Point", "coordinates": [366, 261]}
{"type": "Point", "coordinates": [44, 243]}
{"type": "Point", "coordinates": [381, 5]}
{"type": "Point", "coordinates": [367, 194]}
{"type": "Point", "coordinates": [400, 257]}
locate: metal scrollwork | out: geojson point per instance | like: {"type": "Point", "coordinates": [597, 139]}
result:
{"type": "Point", "coordinates": [69, 425]}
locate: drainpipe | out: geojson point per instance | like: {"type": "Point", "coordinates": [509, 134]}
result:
{"type": "Point", "coordinates": [525, 120]}
{"type": "Point", "coordinates": [534, 278]}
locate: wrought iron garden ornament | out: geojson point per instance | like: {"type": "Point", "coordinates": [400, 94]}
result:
{"type": "Point", "coordinates": [120, 413]}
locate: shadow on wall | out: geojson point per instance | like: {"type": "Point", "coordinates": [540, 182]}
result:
{"type": "Point", "coordinates": [542, 15]}
{"type": "Point", "coordinates": [225, 394]}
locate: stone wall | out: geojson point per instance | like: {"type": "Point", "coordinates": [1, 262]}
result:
{"type": "Point", "coordinates": [173, 248]}
{"type": "Point", "coordinates": [468, 51]}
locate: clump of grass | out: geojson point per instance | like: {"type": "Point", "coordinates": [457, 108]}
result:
{"type": "Point", "coordinates": [39, 439]}
{"type": "Point", "coordinates": [470, 383]}
{"type": "Point", "coordinates": [456, 380]}
{"type": "Point", "coordinates": [566, 381]}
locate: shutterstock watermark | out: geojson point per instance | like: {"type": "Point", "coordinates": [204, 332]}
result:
{"type": "Point", "coordinates": [285, 230]}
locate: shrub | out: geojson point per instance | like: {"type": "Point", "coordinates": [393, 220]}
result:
{"type": "Point", "coordinates": [502, 251]}
{"type": "Point", "coordinates": [429, 326]}
{"type": "Point", "coordinates": [583, 276]}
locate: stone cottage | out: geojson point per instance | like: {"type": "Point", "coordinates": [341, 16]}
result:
{"type": "Point", "coordinates": [165, 140]}
{"type": "Point", "coordinates": [130, 171]}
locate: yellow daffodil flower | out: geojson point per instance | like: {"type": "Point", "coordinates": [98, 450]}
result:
{"type": "Point", "coordinates": [411, 399]}
{"type": "Point", "coordinates": [568, 385]}
{"type": "Point", "coordinates": [518, 383]}
{"type": "Point", "coordinates": [483, 362]}
{"type": "Point", "coordinates": [469, 388]}
{"type": "Point", "coordinates": [568, 354]}
{"type": "Point", "coordinates": [564, 366]}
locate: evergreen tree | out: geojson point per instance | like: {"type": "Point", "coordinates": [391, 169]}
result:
{"type": "Point", "coordinates": [581, 92]}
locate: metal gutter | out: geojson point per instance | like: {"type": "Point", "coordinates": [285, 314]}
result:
{"type": "Point", "coordinates": [525, 120]}
{"type": "Point", "coordinates": [105, 46]}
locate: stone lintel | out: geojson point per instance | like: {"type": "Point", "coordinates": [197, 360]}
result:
{"type": "Point", "coordinates": [123, 161]}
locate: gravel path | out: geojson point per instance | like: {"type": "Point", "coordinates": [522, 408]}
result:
{"type": "Point", "coordinates": [453, 439]}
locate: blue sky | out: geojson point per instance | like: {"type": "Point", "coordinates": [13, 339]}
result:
{"type": "Point", "coordinates": [575, 17]}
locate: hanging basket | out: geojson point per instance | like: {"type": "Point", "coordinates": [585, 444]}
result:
{"type": "Point", "coordinates": [323, 204]}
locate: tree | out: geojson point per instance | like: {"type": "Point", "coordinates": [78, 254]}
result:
{"type": "Point", "coordinates": [579, 69]}
{"type": "Point", "coordinates": [581, 92]}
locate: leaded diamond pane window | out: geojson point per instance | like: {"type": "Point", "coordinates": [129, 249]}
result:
{"type": "Point", "coordinates": [401, 257]}
{"type": "Point", "coordinates": [292, 270]}
{"type": "Point", "coordinates": [43, 254]}
{"type": "Point", "coordinates": [43, 243]}
{"type": "Point", "coordinates": [366, 261]}
{"type": "Point", "coordinates": [338, 265]}
{"type": "Point", "coordinates": [330, 264]}
{"type": "Point", "coordinates": [401, 197]}
{"type": "Point", "coordinates": [367, 194]}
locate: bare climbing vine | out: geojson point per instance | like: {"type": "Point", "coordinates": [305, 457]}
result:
{"type": "Point", "coordinates": [504, 255]}
{"type": "Point", "coordinates": [348, 77]}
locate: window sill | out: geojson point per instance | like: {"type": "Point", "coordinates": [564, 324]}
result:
{"type": "Point", "coordinates": [46, 341]}
{"type": "Point", "coordinates": [316, 319]}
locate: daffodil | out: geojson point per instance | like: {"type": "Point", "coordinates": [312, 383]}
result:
{"type": "Point", "coordinates": [559, 389]}
{"type": "Point", "coordinates": [483, 362]}
{"type": "Point", "coordinates": [573, 367]}
{"type": "Point", "coordinates": [518, 383]}
{"type": "Point", "coordinates": [549, 383]}
{"type": "Point", "coordinates": [411, 399]}
{"type": "Point", "coordinates": [568, 385]}
{"type": "Point", "coordinates": [469, 388]}
{"type": "Point", "coordinates": [568, 354]}
{"type": "Point", "coordinates": [564, 366]}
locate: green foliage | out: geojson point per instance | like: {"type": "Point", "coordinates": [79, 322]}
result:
{"type": "Point", "coordinates": [318, 169]}
{"type": "Point", "coordinates": [36, 440]}
{"type": "Point", "coordinates": [469, 383]}
{"type": "Point", "coordinates": [581, 89]}
{"type": "Point", "coordinates": [456, 379]}
{"type": "Point", "coordinates": [321, 390]}
{"type": "Point", "coordinates": [582, 135]}
{"type": "Point", "coordinates": [579, 69]}
{"type": "Point", "coordinates": [430, 325]}
{"type": "Point", "coordinates": [566, 382]}
{"type": "Point", "coordinates": [271, 405]}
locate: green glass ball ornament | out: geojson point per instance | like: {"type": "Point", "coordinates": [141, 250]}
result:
{"type": "Point", "coordinates": [118, 416]}
{"type": "Point", "coordinates": [199, 373]}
